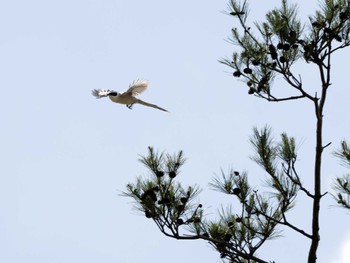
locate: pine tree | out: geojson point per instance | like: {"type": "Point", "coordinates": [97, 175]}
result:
{"type": "Point", "coordinates": [274, 49]}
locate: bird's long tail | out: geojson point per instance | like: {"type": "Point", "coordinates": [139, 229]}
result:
{"type": "Point", "coordinates": [150, 105]}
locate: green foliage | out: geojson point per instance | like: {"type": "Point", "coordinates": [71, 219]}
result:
{"type": "Point", "coordinates": [283, 23]}
{"type": "Point", "coordinates": [161, 198]}
{"type": "Point", "coordinates": [342, 184]}
{"type": "Point", "coordinates": [344, 153]}
{"type": "Point", "coordinates": [253, 223]}
{"type": "Point", "coordinates": [282, 41]}
{"type": "Point", "coordinates": [238, 233]}
{"type": "Point", "coordinates": [286, 149]}
{"type": "Point", "coordinates": [173, 209]}
{"type": "Point", "coordinates": [266, 151]}
{"type": "Point", "coordinates": [333, 19]}
{"type": "Point", "coordinates": [285, 181]}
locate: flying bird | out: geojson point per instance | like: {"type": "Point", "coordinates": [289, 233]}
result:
{"type": "Point", "coordinates": [127, 97]}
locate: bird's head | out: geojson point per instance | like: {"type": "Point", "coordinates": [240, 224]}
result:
{"type": "Point", "coordinates": [113, 93]}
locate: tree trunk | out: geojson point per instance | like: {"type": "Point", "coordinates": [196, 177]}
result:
{"type": "Point", "coordinates": [317, 192]}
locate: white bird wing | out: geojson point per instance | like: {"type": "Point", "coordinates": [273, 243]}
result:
{"type": "Point", "coordinates": [137, 87]}
{"type": "Point", "coordinates": [100, 93]}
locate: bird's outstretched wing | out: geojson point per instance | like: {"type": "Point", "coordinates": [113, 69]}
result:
{"type": "Point", "coordinates": [137, 87]}
{"type": "Point", "coordinates": [150, 105]}
{"type": "Point", "coordinates": [100, 93]}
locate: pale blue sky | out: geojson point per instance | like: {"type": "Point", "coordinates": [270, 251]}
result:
{"type": "Point", "coordinates": [65, 156]}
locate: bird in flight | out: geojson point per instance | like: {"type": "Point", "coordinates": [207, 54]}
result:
{"type": "Point", "coordinates": [127, 97]}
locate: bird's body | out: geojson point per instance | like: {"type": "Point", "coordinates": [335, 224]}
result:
{"type": "Point", "coordinates": [128, 97]}
{"type": "Point", "coordinates": [123, 99]}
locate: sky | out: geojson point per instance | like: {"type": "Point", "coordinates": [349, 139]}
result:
{"type": "Point", "coordinates": [66, 157]}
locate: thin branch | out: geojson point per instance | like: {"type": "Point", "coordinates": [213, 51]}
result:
{"type": "Point", "coordinates": [273, 99]}
{"type": "Point", "coordinates": [296, 180]}
{"type": "Point", "coordinates": [244, 26]}
{"type": "Point", "coordinates": [326, 145]}
{"type": "Point", "coordinates": [239, 253]}
{"type": "Point", "coordinates": [286, 223]}
{"type": "Point", "coordinates": [214, 241]}
{"type": "Point", "coordinates": [346, 44]}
